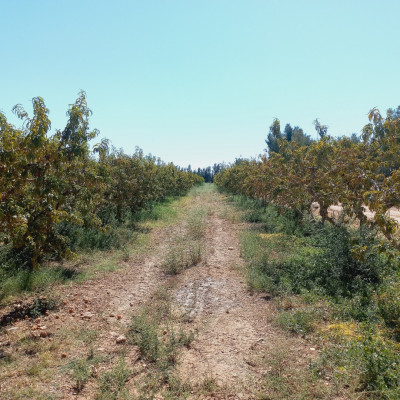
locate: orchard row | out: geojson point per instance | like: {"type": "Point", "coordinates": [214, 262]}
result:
{"type": "Point", "coordinates": [48, 180]}
{"type": "Point", "coordinates": [353, 173]}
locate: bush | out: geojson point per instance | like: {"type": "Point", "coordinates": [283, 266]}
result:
{"type": "Point", "coordinates": [299, 322]}
{"type": "Point", "coordinates": [314, 256]}
{"type": "Point", "coordinates": [366, 361]}
{"type": "Point", "coordinates": [389, 306]}
{"type": "Point", "coordinates": [183, 253]}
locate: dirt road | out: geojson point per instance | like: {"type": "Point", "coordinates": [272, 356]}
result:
{"type": "Point", "coordinates": [84, 349]}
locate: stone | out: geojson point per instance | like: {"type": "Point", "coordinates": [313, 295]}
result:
{"type": "Point", "coordinates": [35, 335]}
{"type": "Point", "coordinates": [120, 339]}
{"type": "Point", "coordinates": [87, 315]}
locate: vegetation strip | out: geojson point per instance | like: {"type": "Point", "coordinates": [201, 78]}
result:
{"type": "Point", "coordinates": [346, 307]}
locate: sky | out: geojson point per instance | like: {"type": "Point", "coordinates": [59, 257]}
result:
{"type": "Point", "coordinates": [200, 82]}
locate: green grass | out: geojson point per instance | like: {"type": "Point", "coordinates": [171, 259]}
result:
{"type": "Point", "coordinates": [286, 380]}
{"type": "Point", "coordinates": [164, 211]}
{"type": "Point", "coordinates": [348, 304]}
{"type": "Point", "coordinates": [112, 383]}
{"type": "Point", "coordinates": [81, 369]}
{"type": "Point", "coordinates": [299, 322]}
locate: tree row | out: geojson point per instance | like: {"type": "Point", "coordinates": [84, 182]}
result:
{"type": "Point", "coordinates": [353, 172]}
{"type": "Point", "coordinates": [49, 180]}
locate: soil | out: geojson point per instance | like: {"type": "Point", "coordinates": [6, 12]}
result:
{"type": "Point", "coordinates": [235, 330]}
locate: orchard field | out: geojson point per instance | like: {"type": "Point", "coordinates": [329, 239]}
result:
{"type": "Point", "coordinates": [124, 277]}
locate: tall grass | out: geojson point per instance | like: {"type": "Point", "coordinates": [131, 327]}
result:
{"type": "Point", "coordinates": [186, 247]}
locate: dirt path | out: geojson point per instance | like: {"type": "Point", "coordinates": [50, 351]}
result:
{"type": "Point", "coordinates": [236, 333]}
{"type": "Point", "coordinates": [233, 350]}
{"type": "Point", "coordinates": [100, 308]}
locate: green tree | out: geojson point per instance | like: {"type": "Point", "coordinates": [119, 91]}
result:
{"type": "Point", "coordinates": [301, 138]}
{"type": "Point", "coordinates": [288, 132]}
{"type": "Point", "coordinates": [273, 136]}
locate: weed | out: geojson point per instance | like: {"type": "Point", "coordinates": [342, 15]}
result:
{"type": "Point", "coordinates": [365, 361]}
{"type": "Point", "coordinates": [176, 388]}
{"type": "Point", "coordinates": [167, 386]}
{"type": "Point", "coordinates": [41, 305]}
{"type": "Point", "coordinates": [87, 336]}
{"type": "Point", "coordinates": [310, 256]}
{"type": "Point", "coordinates": [80, 372]}
{"type": "Point", "coordinates": [196, 222]}
{"type": "Point", "coordinates": [300, 322]}
{"type": "Point", "coordinates": [230, 214]}
{"type": "Point", "coordinates": [38, 307]}
{"type": "Point", "coordinates": [156, 344]}
{"type": "Point", "coordinates": [112, 383]}
{"type": "Point", "coordinates": [208, 385]}
{"type": "Point", "coordinates": [285, 380]}
{"type": "Point", "coordinates": [39, 366]}
{"type": "Point", "coordinates": [81, 369]}
{"type": "Point", "coordinates": [31, 393]}
{"type": "Point", "coordinates": [145, 334]}
{"type": "Point", "coordinates": [159, 343]}
{"type": "Point", "coordinates": [389, 306]}
{"type": "Point", "coordinates": [183, 254]}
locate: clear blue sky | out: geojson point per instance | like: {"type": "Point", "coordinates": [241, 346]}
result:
{"type": "Point", "coordinates": [198, 82]}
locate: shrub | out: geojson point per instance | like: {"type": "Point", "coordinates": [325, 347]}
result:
{"type": "Point", "coordinates": [299, 322]}
{"type": "Point", "coordinates": [389, 306]}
